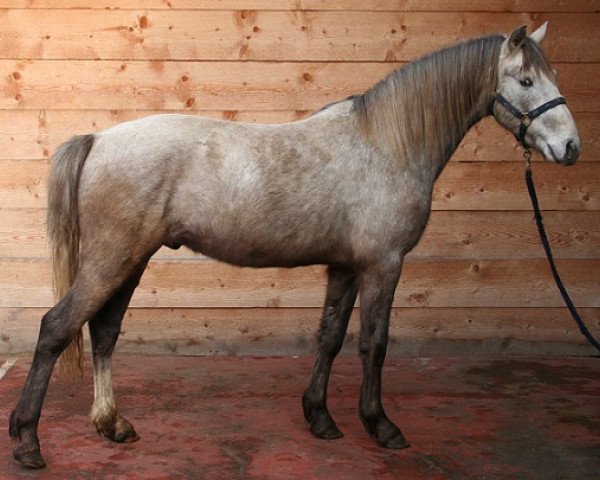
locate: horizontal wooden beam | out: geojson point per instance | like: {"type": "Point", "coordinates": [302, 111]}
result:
{"type": "Point", "coordinates": [235, 331]}
{"type": "Point", "coordinates": [160, 85]}
{"type": "Point", "coordinates": [525, 6]}
{"type": "Point", "coordinates": [450, 235]}
{"type": "Point", "coordinates": [461, 186]}
{"type": "Point", "coordinates": [275, 35]}
{"type": "Point", "coordinates": [203, 283]}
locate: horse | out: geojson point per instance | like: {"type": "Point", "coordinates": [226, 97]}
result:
{"type": "Point", "coordinates": [349, 187]}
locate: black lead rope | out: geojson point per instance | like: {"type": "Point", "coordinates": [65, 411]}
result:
{"type": "Point", "coordinates": [540, 226]}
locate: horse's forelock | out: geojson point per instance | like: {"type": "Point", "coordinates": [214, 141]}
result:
{"type": "Point", "coordinates": [535, 58]}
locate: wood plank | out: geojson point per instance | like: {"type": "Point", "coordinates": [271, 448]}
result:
{"type": "Point", "coordinates": [450, 235]}
{"type": "Point", "coordinates": [126, 85]}
{"type": "Point", "coordinates": [190, 331]}
{"type": "Point", "coordinates": [23, 233]}
{"type": "Point", "coordinates": [35, 134]}
{"type": "Point", "coordinates": [500, 186]}
{"type": "Point", "coordinates": [461, 186]}
{"type": "Point", "coordinates": [194, 284]}
{"type": "Point", "coordinates": [317, 5]}
{"type": "Point", "coordinates": [507, 235]}
{"type": "Point", "coordinates": [272, 35]}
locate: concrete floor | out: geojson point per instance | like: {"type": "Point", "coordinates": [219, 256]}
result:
{"type": "Point", "coordinates": [240, 417]}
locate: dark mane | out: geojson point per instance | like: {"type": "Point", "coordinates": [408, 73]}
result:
{"type": "Point", "coordinates": [432, 101]}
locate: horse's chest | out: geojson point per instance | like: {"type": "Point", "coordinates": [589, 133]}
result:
{"type": "Point", "coordinates": [391, 217]}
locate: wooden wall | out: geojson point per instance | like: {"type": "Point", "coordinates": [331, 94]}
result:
{"type": "Point", "coordinates": [477, 282]}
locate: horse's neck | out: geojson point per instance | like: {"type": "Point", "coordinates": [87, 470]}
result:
{"type": "Point", "coordinates": [420, 113]}
{"type": "Point", "coordinates": [449, 111]}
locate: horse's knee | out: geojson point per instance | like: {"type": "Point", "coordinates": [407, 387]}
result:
{"type": "Point", "coordinates": [373, 352]}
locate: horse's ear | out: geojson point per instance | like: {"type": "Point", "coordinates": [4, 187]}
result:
{"type": "Point", "coordinates": [516, 38]}
{"type": "Point", "coordinates": [540, 33]}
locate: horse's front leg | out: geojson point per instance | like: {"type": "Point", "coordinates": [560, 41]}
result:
{"type": "Point", "coordinates": [377, 287]}
{"type": "Point", "coordinates": [341, 294]}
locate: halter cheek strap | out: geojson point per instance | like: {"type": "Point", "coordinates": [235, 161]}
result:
{"type": "Point", "coordinates": [525, 118]}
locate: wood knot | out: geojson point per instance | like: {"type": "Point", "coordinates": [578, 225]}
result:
{"type": "Point", "coordinates": [274, 302]}
{"type": "Point", "coordinates": [417, 297]}
{"type": "Point", "coordinates": [144, 22]}
{"type": "Point", "coordinates": [232, 115]}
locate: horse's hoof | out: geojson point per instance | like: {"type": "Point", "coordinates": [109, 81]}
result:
{"type": "Point", "coordinates": [29, 457]}
{"type": "Point", "coordinates": [397, 442]}
{"type": "Point", "coordinates": [385, 433]}
{"type": "Point", "coordinates": [117, 429]}
{"type": "Point", "coordinates": [128, 436]}
{"type": "Point", "coordinates": [332, 433]}
{"type": "Point", "coordinates": [324, 427]}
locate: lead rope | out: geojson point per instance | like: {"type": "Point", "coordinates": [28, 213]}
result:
{"type": "Point", "coordinates": [544, 238]}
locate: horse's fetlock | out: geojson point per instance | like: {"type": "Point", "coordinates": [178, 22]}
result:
{"type": "Point", "coordinates": [310, 406]}
{"type": "Point", "coordinates": [13, 426]}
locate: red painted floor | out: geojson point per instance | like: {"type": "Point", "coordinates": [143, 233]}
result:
{"type": "Point", "coordinates": [240, 418]}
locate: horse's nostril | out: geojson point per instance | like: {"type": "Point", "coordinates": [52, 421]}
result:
{"type": "Point", "coordinates": [572, 152]}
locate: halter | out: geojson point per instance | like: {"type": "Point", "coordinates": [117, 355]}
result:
{"type": "Point", "coordinates": [525, 118]}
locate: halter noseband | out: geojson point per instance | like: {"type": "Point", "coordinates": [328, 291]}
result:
{"type": "Point", "coordinates": [525, 118]}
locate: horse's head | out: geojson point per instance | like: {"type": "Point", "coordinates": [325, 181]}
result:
{"type": "Point", "coordinates": [528, 102]}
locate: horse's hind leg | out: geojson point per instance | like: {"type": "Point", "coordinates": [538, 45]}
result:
{"type": "Point", "coordinates": [95, 284]}
{"type": "Point", "coordinates": [341, 294]}
{"type": "Point", "coordinates": [104, 328]}
{"type": "Point", "coordinates": [377, 287]}
{"type": "Point", "coordinates": [59, 327]}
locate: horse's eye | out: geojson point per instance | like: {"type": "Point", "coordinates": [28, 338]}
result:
{"type": "Point", "coordinates": [527, 82]}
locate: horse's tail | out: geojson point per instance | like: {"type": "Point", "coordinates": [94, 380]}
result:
{"type": "Point", "coordinates": [63, 232]}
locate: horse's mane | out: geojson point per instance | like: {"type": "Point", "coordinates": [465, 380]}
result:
{"type": "Point", "coordinates": [433, 101]}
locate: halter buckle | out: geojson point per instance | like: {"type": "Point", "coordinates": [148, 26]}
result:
{"type": "Point", "coordinates": [526, 119]}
